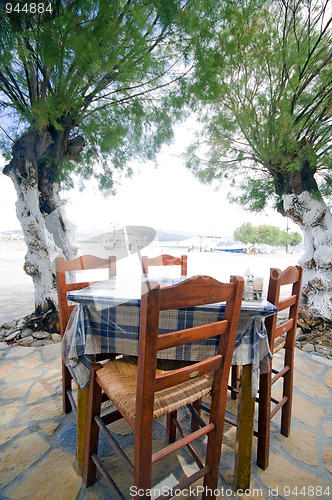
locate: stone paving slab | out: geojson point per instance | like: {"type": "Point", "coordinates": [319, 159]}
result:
{"type": "Point", "coordinates": [37, 440]}
{"type": "Point", "coordinates": [14, 305]}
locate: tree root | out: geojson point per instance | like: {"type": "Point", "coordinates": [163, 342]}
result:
{"type": "Point", "coordinates": [47, 321]}
{"type": "Point", "coordinates": [309, 322]}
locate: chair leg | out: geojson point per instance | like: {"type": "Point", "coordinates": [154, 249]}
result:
{"type": "Point", "coordinates": [92, 433]}
{"type": "Point", "coordinates": [264, 410]}
{"type": "Point", "coordinates": [143, 458]}
{"type": "Point", "coordinates": [286, 410]}
{"type": "Point", "coordinates": [194, 424]}
{"type": "Point", "coordinates": [66, 386]}
{"type": "Point", "coordinates": [170, 427]}
{"type": "Point", "coordinates": [214, 443]}
{"type": "Point", "coordinates": [211, 479]}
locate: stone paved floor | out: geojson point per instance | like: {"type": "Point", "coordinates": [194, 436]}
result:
{"type": "Point", "coordinates": [37, 441]}
{"type": "Point", "coordinates": [11, 302]}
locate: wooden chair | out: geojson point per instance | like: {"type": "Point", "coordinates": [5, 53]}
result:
{"type": "Point", "coordinates": [280, 335]}
{"type": "Point", "coordinates": [141, 392]}
{"type": "Point", "coordinates": [85, 262]}
{"type": "Point", "coordinates": [165, 260]}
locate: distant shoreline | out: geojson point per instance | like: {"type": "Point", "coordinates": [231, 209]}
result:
{"type": "Point", "coordinates": [17, 291]}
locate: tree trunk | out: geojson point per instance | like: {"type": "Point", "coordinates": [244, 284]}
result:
{"type": "Point", "coordinates": [315, 220]}
{"type": "Point", "coordinates": [47, 232]}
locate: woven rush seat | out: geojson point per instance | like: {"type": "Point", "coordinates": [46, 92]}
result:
{"type": "Point", "coordinates": [118, 379]}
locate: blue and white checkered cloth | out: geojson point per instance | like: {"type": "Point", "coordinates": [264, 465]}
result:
{"type": "Point", "coordinates": [103, 322]}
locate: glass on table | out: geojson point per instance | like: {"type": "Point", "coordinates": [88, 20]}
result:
{"type": "Point", "coordinates": [253, 289]}
{"type": "Point", "coordinates": [258, 288]}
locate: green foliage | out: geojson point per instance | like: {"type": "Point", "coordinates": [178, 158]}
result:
{"type": "Point", "coordinates": [262, 89]}
{"type": "Point", "coordinates": [108, 72]}
{"type": "Point", "coordinates": [246, 233]}
{"type": "Point", "coordinates": [295, 239]}
{"type": "Point", "coordinates": [266, 235]}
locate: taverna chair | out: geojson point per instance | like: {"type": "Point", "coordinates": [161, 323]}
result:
{"type": "Point", "coordinates": [141, 392]}
{"type": "Point", "coordinates": [64, 285]}
{"type": "Point", "coordinates": [165, 260]}
{"type": "Point", "coordinates": [281, 335]}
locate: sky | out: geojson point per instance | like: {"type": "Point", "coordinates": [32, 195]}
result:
{"type": "Point", "coordinates": [164, 196]}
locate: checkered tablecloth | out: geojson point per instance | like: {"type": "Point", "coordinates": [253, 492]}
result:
{"type": "Point", "coordinates": [106, 321]}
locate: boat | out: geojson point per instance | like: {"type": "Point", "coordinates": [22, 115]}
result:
{"type": "Point", "coordinates": [231, 249]}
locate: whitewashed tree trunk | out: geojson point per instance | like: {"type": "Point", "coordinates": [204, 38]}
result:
{"type": "Point", "coordinates": [36, 156]}
{"type": "Point", "coordinates": [315, 220]}
{"type": "Point", "coordinates": [41, 233]}
{"type": "Point", "coordinates": [62, 230]}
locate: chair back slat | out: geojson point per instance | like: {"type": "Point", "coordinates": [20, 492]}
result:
{"type": "Point", "coordinates": [285, 303]}
{"type": "Point", "coordinates": [181, 337]}
{"type": "Point", "coordinates": [199, 290]}
{"type": "Point", "coordinates": [283, 328]}
{"type": "Point", "coordinates": [82, 263]}
{"type": "Point", "coordinates": [86, 262]}
{"type": "Point", "coordinates": [176, 377]}
{"type": "Point", "coordinates": [70, 287]}
{"type": "Point", "coordinates": [165, 260]}
{"type": "Point", "coordinates": [291, 275]}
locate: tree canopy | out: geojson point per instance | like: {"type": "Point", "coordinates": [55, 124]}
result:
{"type": "Point", "coordinates": [85, 87]}
{"type": "Point", "coordinates": [92, 74]}
{"type": "Point", "coordinates": [262, 88]}
{"type": "Point", "coordinates": [266, 235]}
{"type": "Point", "coordinates": [266, 84]}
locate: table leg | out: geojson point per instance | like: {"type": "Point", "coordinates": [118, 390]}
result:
{"type": "Point", "coordinates": [82, 411]}
{"type": "Point", "coordinates": [244, 431]}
